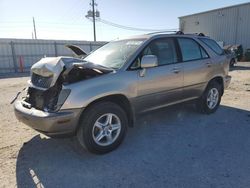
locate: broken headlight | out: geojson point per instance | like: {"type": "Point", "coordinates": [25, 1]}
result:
{"type": "Point", "coordinates": [64, 93]}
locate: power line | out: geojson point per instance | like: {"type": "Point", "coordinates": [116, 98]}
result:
{"type": "Point", "coordinates": [72, 13]}
{"type": "Point", "coordinates": [131, 28]}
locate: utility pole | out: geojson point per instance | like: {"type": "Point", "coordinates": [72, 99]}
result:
{"type": "Point", "coordinates": [93, 14]}
{"type": "Point", "coordinates": [34, 26]}
{"type": "Point", "coordinates": [93, 10]}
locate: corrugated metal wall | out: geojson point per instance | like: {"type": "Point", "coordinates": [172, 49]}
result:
{"type": "Point", "coordinates": [18, 55]}
{"type": "Point", "coordinates": [230, 25]}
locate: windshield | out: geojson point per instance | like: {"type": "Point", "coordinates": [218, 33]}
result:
{"type": "Point", "coordinates": [114, 54]}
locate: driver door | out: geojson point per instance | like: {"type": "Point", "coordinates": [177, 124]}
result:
{"type": "Point", "coordinates": [160, 85]}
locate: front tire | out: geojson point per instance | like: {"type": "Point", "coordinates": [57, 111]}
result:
{"type": "Point", "coordinates": [102, 127]}
{"type": "Point", "coordinates": [210, 100]}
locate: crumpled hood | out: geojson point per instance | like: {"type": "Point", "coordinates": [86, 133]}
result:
{"type": "Point", "coordinates": [53, 66]}
{"type": "Point", "coordinates": [46, 90]}
{"type": "Point", "coordinates": [48, 66]}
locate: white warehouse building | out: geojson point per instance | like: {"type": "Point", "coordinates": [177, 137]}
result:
{"type": "Point", "coordinates": [229, 25]}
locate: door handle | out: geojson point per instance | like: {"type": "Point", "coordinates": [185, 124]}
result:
{"type": "Point", "coordinates": [209, 64]}
{"type": "Point", "coordinates": [176, 70]}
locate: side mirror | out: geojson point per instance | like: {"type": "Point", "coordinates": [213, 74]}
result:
{"type": "Point", "coordinates": [148, 61]}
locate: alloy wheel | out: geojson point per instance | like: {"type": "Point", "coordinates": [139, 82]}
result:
{"type": "Point", "coordinates": [106, 129]}
{"type": "Point", "coordinates": [212, 98]}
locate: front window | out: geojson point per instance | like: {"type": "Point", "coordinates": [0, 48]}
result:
{"type": "Point", "coordinates": [114, 54]}
{"type": "Point", "coordinates": [163, 49]}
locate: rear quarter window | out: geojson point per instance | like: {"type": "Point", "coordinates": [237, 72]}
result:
{"type": "Point", "coordinates": [212, 45]}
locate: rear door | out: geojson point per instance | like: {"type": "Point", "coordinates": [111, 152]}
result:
{"type": "Point", "coordinates": [160, 85]}
{"type": "Point", "coordinates": [197, 67]}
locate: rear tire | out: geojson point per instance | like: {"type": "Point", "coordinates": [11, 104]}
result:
{"type": "Point", "coordinates": [210, 100]}
{"type": "Point", "coordinates": [232, 62]}
{"type": "Point", "coordinates": [102, 127]}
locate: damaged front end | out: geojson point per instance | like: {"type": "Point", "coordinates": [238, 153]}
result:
{"type": "Point", "coordinates": [48, 76]}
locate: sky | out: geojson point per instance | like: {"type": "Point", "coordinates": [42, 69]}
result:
{"type": "Point", "coordinates": [65, 19]}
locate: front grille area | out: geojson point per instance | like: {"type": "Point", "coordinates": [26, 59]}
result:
{"type": "Point", "coordinates": [43, 99]}
{"type": "Point", "coordinates": [41, 81]}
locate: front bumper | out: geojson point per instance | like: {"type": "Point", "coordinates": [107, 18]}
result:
{"type": "Point", "coordinates": [60, 123]}
{"type": "Point", "coordinates": [227, 81]}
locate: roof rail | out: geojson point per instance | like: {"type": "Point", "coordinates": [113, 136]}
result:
{"type": "Point", "coordinates": [199, 34]}
{"type": "Point", "coordinates": [179, 33]}
{"type": "Point", "coordinates": [159, 32]}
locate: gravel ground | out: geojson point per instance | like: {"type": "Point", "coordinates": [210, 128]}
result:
{"type": "Point", "coordinates": [172, 147]}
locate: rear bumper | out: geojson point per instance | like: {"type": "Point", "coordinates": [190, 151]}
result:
{"type": "Point", "coordinates": [60, 123]}
{"type": "Point", "coordinates": [227, 81]}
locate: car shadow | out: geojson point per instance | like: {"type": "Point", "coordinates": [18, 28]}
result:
{"type": "Point", "coordinates": [173, 147]}
{"type": "Point", "coordinates": [239, 67]}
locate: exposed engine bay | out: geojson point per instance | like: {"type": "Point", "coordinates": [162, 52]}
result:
{"type": "Point", "coordinates": [45, 91]}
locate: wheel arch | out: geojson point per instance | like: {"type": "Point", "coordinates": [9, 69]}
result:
{"type": "Point", "coordinates": [219, 80]}
{"type": "Point", "coordinates": [120, 100]}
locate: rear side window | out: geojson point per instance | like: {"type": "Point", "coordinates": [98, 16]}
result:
{"type": "Point", "coordinates": [213, 45]}
{"type": "Point", "coordinates": [191, 50]}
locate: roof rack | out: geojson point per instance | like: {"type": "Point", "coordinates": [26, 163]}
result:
{"type": "Point", "coordinates": [199, 34]}
{"type": "Point", "coordinates": [177, 33]}
{"type": "Point", "coordinates": [159, 32]}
